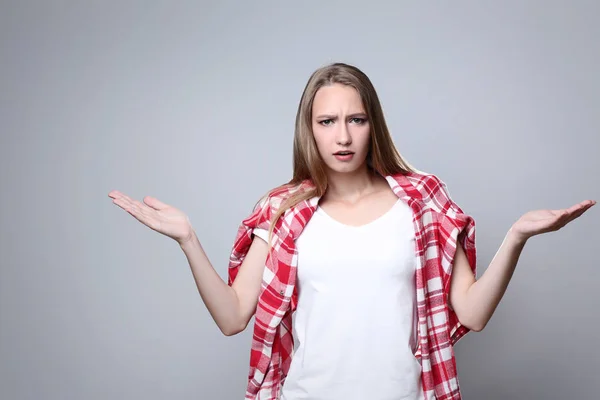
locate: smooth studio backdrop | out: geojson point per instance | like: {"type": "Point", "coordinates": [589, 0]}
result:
{"type": "Point", "coordinates": [194, 103]}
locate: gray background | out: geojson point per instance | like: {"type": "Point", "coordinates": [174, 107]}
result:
{"type": "Point", "coordinates": [194, 102]}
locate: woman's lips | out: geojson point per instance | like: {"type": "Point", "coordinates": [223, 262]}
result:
{"type": "Point", "coordinates": [343, 156]}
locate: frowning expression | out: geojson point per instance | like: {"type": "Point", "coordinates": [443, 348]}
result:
{"type": "Point", "coordinates": [340, 127]}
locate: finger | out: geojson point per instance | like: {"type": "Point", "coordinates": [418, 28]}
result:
{"type": "Point", "coordinates": [124, 204]}
{"type": "Point", "coordinates": [141, 214]}
{"type": "Point", "coordinates": [579, 212]}
{"type": "Point", "coordinates": [125, 197]}
{"type": "Point", "coordinates": [134, 203]}
{"type": "Point", "coordinates": [114, 194]}
{"type": "Point", "coordinates": [575, 207]}
{"type": "Point", "coordinates": [155, 203]}
{"type": "Point", "coordinates": [572, 216]}
{"type": "Point", "coordinates": [142, 208]}
{"type": "Point", "coordinates": [585, 203]}
{"type": "Point", "coordinates": [568, 212]}
{"type": "Point", "coordinates": [120, 202]}
{"type": "Point", "coordinates": [583, 206]}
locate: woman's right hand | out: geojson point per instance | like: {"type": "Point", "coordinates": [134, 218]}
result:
{"type": "Point", "coordinates": [157, 215]}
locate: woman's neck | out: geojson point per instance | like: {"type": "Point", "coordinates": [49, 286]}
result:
{"type": "Point", "coordinates": [351, 187]}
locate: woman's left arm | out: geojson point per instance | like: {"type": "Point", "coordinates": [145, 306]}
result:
{"type": "Point", "coordinates": [474, 301]}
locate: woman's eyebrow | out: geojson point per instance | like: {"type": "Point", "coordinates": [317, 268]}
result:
{"type": "Point", "coordinates": [333, 116]}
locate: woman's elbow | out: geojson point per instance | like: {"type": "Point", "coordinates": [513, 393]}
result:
{"type": "Point", "coordinates": [474, 325]}
{"type": "Point", "coordinates": [232, 330]}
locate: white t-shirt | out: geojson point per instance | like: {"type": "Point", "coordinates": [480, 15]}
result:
{"type": "Point", "coordinates": [355, 325]}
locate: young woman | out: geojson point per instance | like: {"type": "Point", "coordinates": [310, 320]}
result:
{"type": "Point", "coordinates": [372, 258]}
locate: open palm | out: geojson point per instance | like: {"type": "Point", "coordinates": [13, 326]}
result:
{"type": "Point", "coordinates": [157, 215]}
{"type": "Point", "coordinates": [542, 221]}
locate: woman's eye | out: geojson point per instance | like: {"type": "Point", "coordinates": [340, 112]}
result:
{"type": "Point", "coordinates": [358, 121]}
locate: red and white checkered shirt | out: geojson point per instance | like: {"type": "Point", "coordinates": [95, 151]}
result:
{"type": "Point", "coordinates": [438, 221]}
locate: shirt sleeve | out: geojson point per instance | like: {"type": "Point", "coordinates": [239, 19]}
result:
{"type": "Point", "coordinates": [457, 226]}
{"type": "Point", "coordinates": [261, 233]}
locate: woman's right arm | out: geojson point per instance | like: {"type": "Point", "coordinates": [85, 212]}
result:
{"type": "Point", "coordinates": [233, 306]}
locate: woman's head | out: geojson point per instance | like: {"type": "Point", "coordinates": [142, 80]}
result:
{"type": "Point", "coordinates": [339, 110]}
{"type": "Point", "coordinates": [340, 128]}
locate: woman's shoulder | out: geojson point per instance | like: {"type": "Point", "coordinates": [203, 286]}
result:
{"type": "Point", "coordinates": [429, 188]}
{"type": "Point", "coordinates": [272, 200]}
{"type": "Point", "coordinates": [420, 179]}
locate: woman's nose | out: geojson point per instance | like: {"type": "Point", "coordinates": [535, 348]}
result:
{"type": "Point", "coordinates": [343, 136]}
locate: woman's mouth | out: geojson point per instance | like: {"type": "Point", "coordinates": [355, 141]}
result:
{"type": "Point", "coordinates": [344, 155]}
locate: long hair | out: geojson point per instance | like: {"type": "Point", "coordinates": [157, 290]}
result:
{"type": "Point", "coordinates": [382, 157]}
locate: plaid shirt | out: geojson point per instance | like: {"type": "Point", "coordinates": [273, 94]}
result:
{"type": "Point", "coordinates": [438, 221]}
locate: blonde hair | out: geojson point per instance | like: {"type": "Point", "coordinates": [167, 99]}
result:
{"type": "Point", "coordinates": [383, 157]}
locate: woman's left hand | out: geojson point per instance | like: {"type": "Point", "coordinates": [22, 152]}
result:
{"type": "Point", "coordinates": [542, 221]}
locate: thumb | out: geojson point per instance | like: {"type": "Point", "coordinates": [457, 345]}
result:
{"type": "Point", "coordinates": [155, 203]}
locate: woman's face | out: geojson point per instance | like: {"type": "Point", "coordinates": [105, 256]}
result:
{"type": "Point", "coordinates": [341, 127]}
